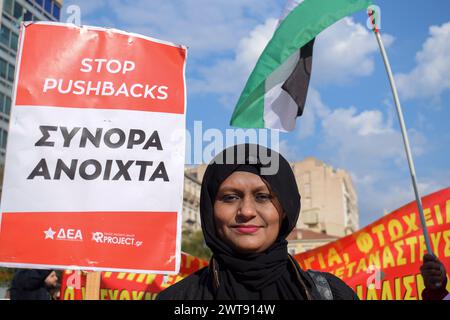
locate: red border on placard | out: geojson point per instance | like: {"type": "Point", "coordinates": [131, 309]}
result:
{"type": "Point", "coordinates": [23, 238]}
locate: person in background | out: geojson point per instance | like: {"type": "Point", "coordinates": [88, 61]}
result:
{"type": "Point", "coordinates": [55, 292]}
{"type": "Point", "coordinates": [435, 278]}
{"type": "Point", "coordinates": [33, 284]}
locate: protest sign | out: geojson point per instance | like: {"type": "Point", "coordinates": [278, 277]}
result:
{"type": "Point", "coordinates": [382, 261]}
{"type": "Point", "coordinates": [95, 158]}
{"type": "Point", "coordinates": [127, 286]}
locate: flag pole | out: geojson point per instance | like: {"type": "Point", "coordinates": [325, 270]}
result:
{"type": "Point", "coordinates": [404, 132]}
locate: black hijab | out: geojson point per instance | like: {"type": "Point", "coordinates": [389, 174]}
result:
{"type": "Point", "coordinates": [265, 275]}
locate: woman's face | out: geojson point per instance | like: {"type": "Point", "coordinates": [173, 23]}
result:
{"type": "Point", "coordinates": [246, 213]}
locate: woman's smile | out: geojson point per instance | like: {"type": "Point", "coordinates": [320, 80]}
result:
{"type": "Point", "coordinates": [246, 229]}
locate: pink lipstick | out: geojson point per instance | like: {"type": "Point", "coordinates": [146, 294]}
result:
{"type": "Point", "coordinates": [247, 229]}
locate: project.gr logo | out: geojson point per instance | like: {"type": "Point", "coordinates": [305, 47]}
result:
{"type": "Point", "coordinates": [97, 237]}
{"type": "Point", "coordinates": [115, 239]}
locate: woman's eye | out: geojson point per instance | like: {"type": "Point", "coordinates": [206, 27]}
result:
{"type": "Point", "coordinates": [262, 197]}
{"type": "Point", "coordinates": [229, 197]}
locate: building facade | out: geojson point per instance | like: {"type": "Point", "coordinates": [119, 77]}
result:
{"type": "Point", "coordinates": [329, 200]}
{"type": "Point", "coordinates": [13, 13]}
{"type": "Point", "coordinates": [191, 204]}
{"type": "Point", "coordinates": [197, 172]}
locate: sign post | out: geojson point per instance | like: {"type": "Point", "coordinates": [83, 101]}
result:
{"type": "Point", "coordinates": [93, 280]}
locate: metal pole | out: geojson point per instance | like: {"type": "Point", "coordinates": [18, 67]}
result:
{"type": "Point", "coordinates": [405, 139]}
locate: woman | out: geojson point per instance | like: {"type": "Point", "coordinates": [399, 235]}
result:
{"type": "Point", "coordinates": [247, 212]}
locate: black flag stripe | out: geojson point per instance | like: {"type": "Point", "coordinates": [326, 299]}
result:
{"type": "Point", "coordinates": [298, 82]}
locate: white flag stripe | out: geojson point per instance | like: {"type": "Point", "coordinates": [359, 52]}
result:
{"type": "Point", "coordinates": [283, 118]}
{"type": "Point", "coordinates": [280, 110]}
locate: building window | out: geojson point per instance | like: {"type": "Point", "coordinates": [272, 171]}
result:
{"type": "Point", "coordinates": [4, 35]}
{"type": "Point", "coordinates": [3, 66]}
{"type": "Point", "coordinates": [307, 189]}
{"type": "Point", "coordinates": [11, 71]}
{"type": "Point", "coordinates": [48, 6]}
{"type": "Point", "coordinates": [307, 203]}
{"type": "Point", "coordinates": [56, 11]}
{"type": "Point", "coordinates": [8, 6]}
{"type": "Point", "coordinates": [7, 105]}
{"type": "Point", "coordinates": [306, 178]}
{"type": "Point", "coordinates": [40, 2]}
{"type": "Point", "coordinates": [4, 138]}
{"type": "Point", "coordinates": [18, 10]}
{"type": "Point", "coordinates": [2, 102]}
{"type": "Point", "coordinates": [14, 41]}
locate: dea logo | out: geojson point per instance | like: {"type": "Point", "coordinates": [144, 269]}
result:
{"type": "Point", "coordinates": [70, 234]}
{"type": "Point", "coordinates": [64, 234]}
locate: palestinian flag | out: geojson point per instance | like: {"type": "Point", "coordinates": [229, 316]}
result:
{"type": "Point", "coordinates": [275, 93]}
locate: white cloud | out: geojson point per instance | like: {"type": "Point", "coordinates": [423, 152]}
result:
{"type": "Point", "coordinates": [314, 108]}
{"type": "Point", "coordinates": [387, 195]}
{"type": "Point", "coordinates": [368, 145]}
{"type": "Point", "coordinates": [291, 153]}
{"type": "Point", "coordinates": [87, 6]}
{"type": "Point", "coordinates": [227, 77]}
{"type": "Point", "coordinates": [204, 26]}
{"type": "Point", "coordinates": [431, 76]}
{"type": "Point", "coordinates": [356, 137]}
{"type": "Point", "coordinates": [361, 140]}
{"type": "Point", "coordinates": [344, 51]}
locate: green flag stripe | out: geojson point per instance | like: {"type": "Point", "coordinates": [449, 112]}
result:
{"type": "Point", "coordinates": [251, 115]}
{"type": "Point", "coordinates": [303, 23]}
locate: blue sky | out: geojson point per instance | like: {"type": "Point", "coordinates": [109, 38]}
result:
{"type": "Point", "coordinates": [349, 120]}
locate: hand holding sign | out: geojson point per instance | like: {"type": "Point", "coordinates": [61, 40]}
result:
{"type": "Point", "coordinates": [433, 272]}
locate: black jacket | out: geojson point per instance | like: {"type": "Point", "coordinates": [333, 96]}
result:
{"type": "Point", "coordinates": [29, 284]}
{"type": "Point", "coordinates": [200, 286]}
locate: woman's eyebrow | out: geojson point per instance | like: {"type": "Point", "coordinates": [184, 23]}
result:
{"type": "Point", "coordinates": [234, 189]}
{"type": "Point", "coordinates": [228, 189]}
{"type": "Point", "coordinates": [261, 188]}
